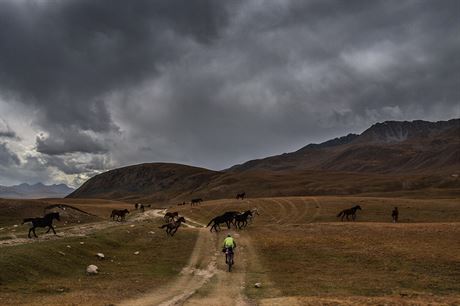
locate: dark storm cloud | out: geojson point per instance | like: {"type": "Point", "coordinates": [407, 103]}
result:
{"type": "Point", "coordinates": [7, 157]}
{"type": "Point", "coordinates": [213, 83]}
{"type": "Point", "coordinates": [69, 141]}
{"type": "Point", "coordinates": [5, 130]}
{"type": "Point", "coordinates": [62, 56]}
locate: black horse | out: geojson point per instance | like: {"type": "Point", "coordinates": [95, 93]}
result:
{"type": "Point", "coordinates": [240, 195]}
{"type": "Point", "coordinates": [170, 216]}
{"type": "Point", "coordinates": [241, 220]}
{"type": "Point", "coordinates": [196, 201]}
{"type": "Point", "coordinates": [349, 212]}
{"type": "Point", "coordinates": [172, 227]}
{"type": "Point", "coordinates": [226, 218]}
{"type": "Point", "coordinates": [120, 214]}
{"type": "Point", "coordinates": [46, 221]}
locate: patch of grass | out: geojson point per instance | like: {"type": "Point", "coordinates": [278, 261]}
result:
{"type": "Point", "coordinates": [370, 260]}
{"type": "Point", "coordinates": [39, 270]}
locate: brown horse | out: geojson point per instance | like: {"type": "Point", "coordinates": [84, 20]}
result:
{"type": "Point", "coordinates": [120, 214]}
{"type": "Point", "coordinates": [349, 212]}
{"type": "Point", "coordinates": [172, 227]}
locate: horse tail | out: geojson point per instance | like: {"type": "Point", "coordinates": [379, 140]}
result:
{"type": "Point", "coordinates": [210, 222]}
{"type": "Point", "coordinates": [340, 213]}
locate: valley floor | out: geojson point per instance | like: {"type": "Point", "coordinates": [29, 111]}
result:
{"type": "Point", "coordinates": [296, 248]}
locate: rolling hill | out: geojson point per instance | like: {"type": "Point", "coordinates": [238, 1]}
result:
{"type": "Point", "coordinates": [388, 157]}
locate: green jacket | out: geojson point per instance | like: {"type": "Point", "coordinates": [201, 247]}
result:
{"type": "Point", "coordinates": [229, 243]}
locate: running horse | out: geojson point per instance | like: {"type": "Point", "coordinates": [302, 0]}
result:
{"type": "Point", "coordinates": [172, 227]}
{"type": "Point", "coordinates": [46, 221]}
{"type": "Point", "coordinates": [171, 216]}
{"type": "Point", "coordinates": [349, 212]}
{"type": "Point", "coordinates": [241, 220]}
{"type": "Point", "coordinates": [226, 218]}
{"type": "Point", "coordinates": [120, 214]}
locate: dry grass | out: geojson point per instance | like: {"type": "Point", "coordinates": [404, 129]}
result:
{"type": "Point", "coordinates": [37, 274]}
{"type": "Point", "coordinates": [304, 251]}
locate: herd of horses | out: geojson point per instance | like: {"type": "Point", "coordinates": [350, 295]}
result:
{"type": "Point", "coordinates": [173, 221]}
{"type": "Point", "coordinates": [238, 219]}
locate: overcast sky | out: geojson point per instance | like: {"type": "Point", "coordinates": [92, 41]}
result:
{"type": "Point", "coordinates": [87, 86]}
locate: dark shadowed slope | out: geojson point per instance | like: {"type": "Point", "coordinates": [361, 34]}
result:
{"type": "Point", "coordinates": [154, 181]}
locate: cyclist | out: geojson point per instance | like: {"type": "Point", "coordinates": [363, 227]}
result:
{"type": "Point", "coordinates": [229, 245]}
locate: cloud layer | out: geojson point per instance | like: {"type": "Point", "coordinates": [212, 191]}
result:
{"type": "Point", "coordinates": [109, 83]}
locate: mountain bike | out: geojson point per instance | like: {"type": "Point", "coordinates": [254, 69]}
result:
{"type": "Point", "coordinates": [229, 258]}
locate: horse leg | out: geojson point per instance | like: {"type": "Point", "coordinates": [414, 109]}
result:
{"type": "Point", "coordinates": [30, 230]}
{"type": "Point", "coordinates": [348, 218]}
{"type": "Point", "coordinates": [51, 227]}
{"type": "Point", "coordinates": [33, 230]}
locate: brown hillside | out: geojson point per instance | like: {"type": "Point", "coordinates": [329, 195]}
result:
{"type": "Point", "coordinates": [388, 157]}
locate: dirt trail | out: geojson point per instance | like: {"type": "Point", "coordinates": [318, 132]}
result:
{"type": "Point", "coordinates": [200, 268]}
{"type": "Point", "coordinates": [205, 280]}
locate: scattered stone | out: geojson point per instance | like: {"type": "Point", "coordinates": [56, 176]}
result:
{"type": "Point", "coordinates": [257, 285]}
{"type": "Point", "coordinates": [132, 225]}
{"type": "Point", "coordinates": [92, 270]}
{"type": "Point", "coordinates": [1, 228]}
{"type": "Point", "coordinates": [100, 256]}
{"type": "Point", "coordinates": [136, 253]}
{"type": "Point", "coordinates": [62, 253]}
{"type": "Point", "coordinates": [82, 243]}
{"type": "Point", "coordinates": [15, 225]}
{"type": "Point", "coordinates": [68, 246]}
{"type": "Point", "coordinates": [151, 232]}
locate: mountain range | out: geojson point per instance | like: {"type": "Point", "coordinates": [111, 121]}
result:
{"type": "Point", "coordinates": [387, 157]}
{"type": "Point", "coordinates": [38, 190]}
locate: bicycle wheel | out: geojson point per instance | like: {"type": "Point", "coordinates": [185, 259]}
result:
{"type": "Point", "coordinates": [230, 262]}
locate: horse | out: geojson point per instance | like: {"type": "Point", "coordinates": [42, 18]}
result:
{"type": "Point", "coordinates": [170, 216]}
{"type": "Point", "coordinates": [240, 195]}
{"type": "Point", "coordinates": [395, 215]}
{"type": "Point", "coordinates": [172, 227]}
{"type": "Point", "coordinates": [241, 220]}
{"type": "Point", "coordinates": [46, 221]}
{"type": "Point", "coordinates": [196, 201]}
{"type": "Point", "coordinates": [119, 214]}
{"type": "Point", "coordinates": [226, 218]}
{"type": "Point", "coordinates": [254, 212]}
{"type": "Point", "coordinates": [349, 212]}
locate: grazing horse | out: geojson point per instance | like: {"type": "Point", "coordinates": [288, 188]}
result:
{"type": "Point", "coordinates": [241, 220]}
{"type": "Point", "coordinates": [349, 212]}
{"type": "Point", "coordinates": [226, 218]}
{"type": "Point", "coordinates": [240, 195]}
{"type": "Point", "coordinates": [46, 221]}
{"type": "Point", "coordinates": [119, 214]}
{"type": "Point", "coordinates": [170, 216]}
{"type": "Point", "coordinates": [196, 201]}
{"type": "Point", "coordinates": [172, 227]}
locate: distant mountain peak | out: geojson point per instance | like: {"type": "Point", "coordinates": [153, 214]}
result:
{"type": "Point", "coordinates": [399, 131]}
{"type": "Point", "coordinates": [37, 190]}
